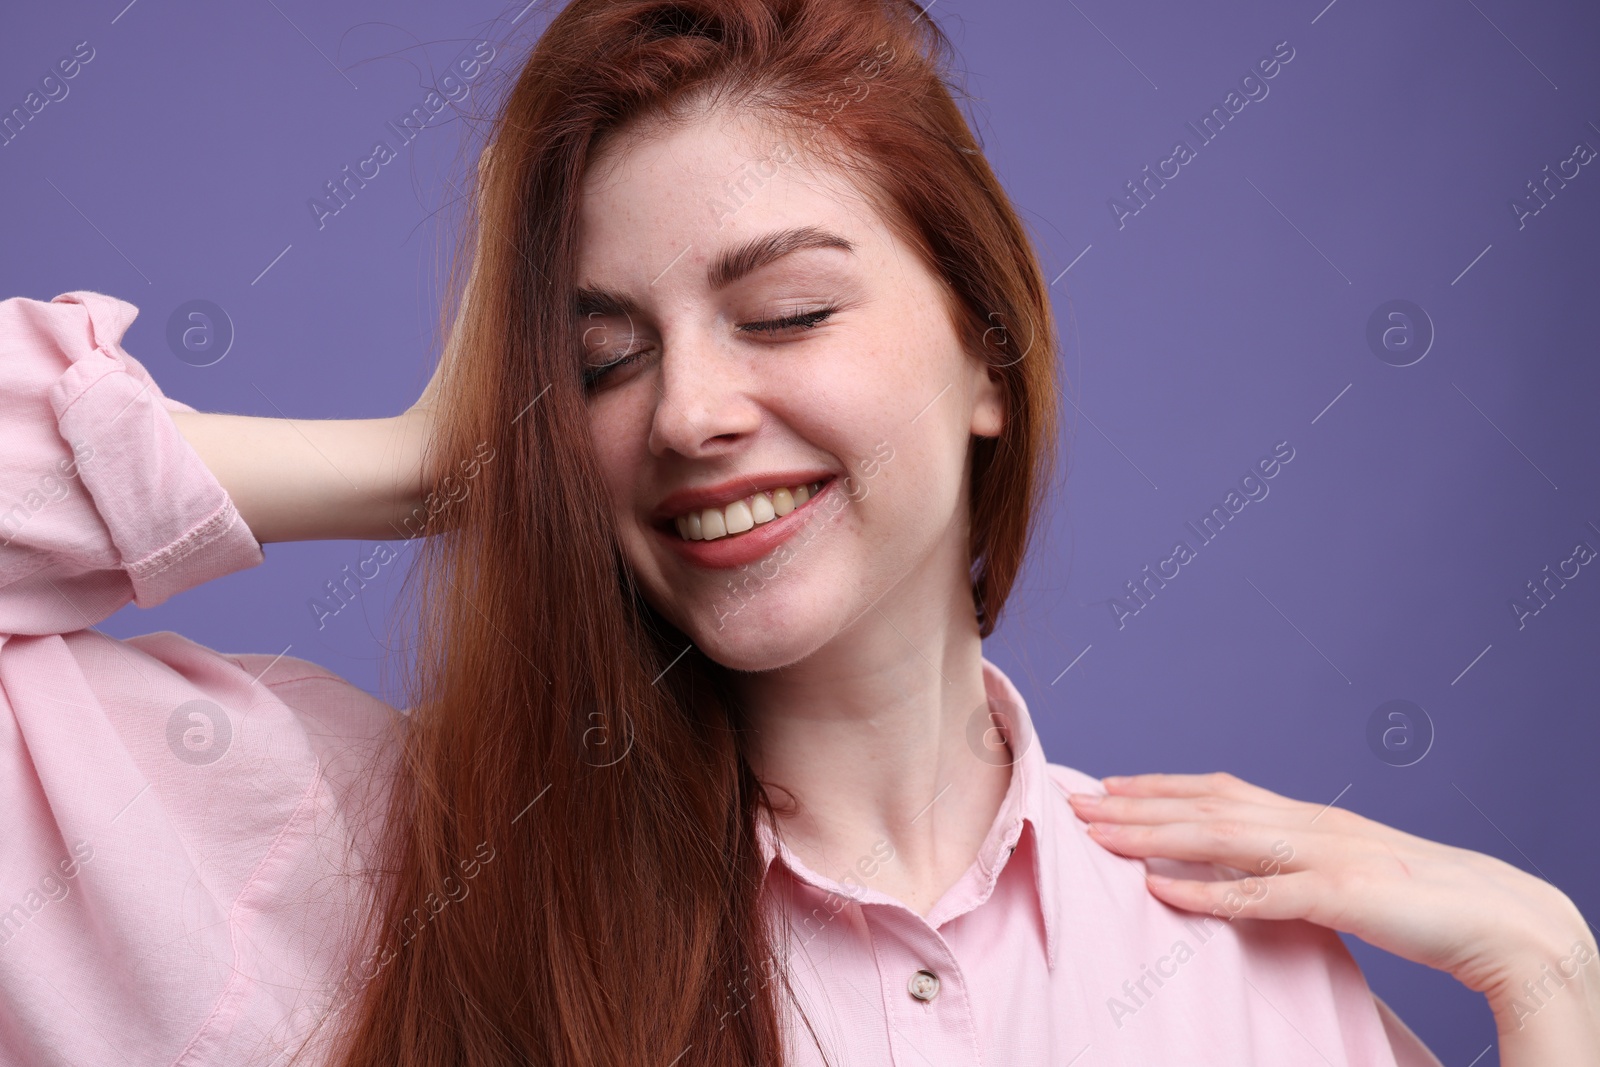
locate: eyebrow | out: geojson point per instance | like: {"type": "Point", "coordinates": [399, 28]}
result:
{"type": "Point", "coordinates": [727, 268]}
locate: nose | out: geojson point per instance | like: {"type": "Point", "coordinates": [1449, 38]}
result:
{"type": "Point", "coordinates": [704, 404]}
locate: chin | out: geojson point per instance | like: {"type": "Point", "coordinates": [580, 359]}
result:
{"type": "Point", "coordinates": [748, 643]}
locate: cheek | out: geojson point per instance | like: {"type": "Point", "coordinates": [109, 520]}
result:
{"type": "Point", "coordinates": [917, 497]}
{"type": "Point", "coordinates": [619, 436]}
{"type": "Point", "coordinates": [618, 440]}
{"type": "Point", "coordinates": [910, 378]}
{"type": "Point", "coordinates": [911, 486]}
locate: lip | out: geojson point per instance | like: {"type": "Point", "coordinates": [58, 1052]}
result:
{"type": "Point", "coordinates": [740, 549]}
{"type": "Point", "coordinates": [724, 493]}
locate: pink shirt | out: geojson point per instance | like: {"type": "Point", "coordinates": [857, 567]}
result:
{"type": "Point", "coordinates": [183, 824]}
{"type": "Point", "coordinates": [1050, 950]}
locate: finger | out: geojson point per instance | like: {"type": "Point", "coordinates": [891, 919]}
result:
{"type": "Point", "coordinates": [1283, 896]}
{"type": "Point", "coordinates": [1266, 808]}
{"type": "Point", "coordinates": [1258, 849]}
{"type": "Point", "coordinates": [1217, 783]}
{"type": "Point", "coordinates": [1094, 807]}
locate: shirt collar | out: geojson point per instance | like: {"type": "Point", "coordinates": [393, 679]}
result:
{"type": "Point", "coordinates": [1027, 807]}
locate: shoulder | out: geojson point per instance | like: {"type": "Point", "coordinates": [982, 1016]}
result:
{"type": "Point", "coordinates": [1065, 780]}
{"type": "Point", "coordinates": [1120, 888]}
{"type": "Point", "coordinates": [1071, 780]}
{"type": "Point", "coordinates": [328, 703]}
{"type": "Point", "coordinates": [210, 815]}
{"type": "Point", "coordinates": [350, 736]}
{"type": "Point", "coordinates": [1231, 966]}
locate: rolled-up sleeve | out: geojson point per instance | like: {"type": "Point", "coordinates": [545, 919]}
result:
{"type": "Point", "coordinates": [102, 500]}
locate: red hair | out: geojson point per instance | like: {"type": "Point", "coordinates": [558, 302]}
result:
{"type": "Point", "coordinates": [619, 919]}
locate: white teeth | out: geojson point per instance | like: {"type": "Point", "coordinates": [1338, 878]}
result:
{"type": "Point", "coordinates": [709, 524]}
{"type": "Point", "coordinates": [738, 517]}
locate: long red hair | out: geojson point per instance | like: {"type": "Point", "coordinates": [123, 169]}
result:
{"type": "Point", "coordinates": [568, 872]}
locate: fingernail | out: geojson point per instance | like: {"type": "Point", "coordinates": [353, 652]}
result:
{"type": "Point", "coordinates": [1115, 779]}
{"type": "Point", "coordinates": [1085, 800]}
{"type": "Point", "coordinates": [1160, 879]}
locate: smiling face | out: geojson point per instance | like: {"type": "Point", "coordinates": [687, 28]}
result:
{"type": "Point", "coordinates": [785, 432]}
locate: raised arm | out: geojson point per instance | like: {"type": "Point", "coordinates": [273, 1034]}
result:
{"type": "Point", "coordinates": [314, 479]}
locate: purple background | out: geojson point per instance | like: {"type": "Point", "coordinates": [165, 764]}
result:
{"type": "Point", "coordinates": [1229, 314]}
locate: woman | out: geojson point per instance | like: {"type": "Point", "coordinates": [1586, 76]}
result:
{"type": "Point", "coordinates": [748, 410]}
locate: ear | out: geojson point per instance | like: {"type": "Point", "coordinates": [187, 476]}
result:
{"type": "Point", "coordinates": [988, 404]}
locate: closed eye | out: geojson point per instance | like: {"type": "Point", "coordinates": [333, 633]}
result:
{"type": "Point", "coordinates": [592, 376]}
{"type": "Point", "coordinates": [807, 320]}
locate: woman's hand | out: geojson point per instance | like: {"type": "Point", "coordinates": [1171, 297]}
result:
{"type": "Point", "coordinates": [422, 418]}
{"type": "Point", "coordinates": [1497, 929]}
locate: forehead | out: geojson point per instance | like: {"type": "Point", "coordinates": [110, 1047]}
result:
{"type": "Point", "coordinates": [657, 191]}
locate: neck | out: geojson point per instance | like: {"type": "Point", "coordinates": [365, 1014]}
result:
{"type": "Point", "coordinates": [869, 736]}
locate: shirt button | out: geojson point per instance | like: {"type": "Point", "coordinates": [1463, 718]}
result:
{"type": "Point", "coordinates": [924, 985]}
